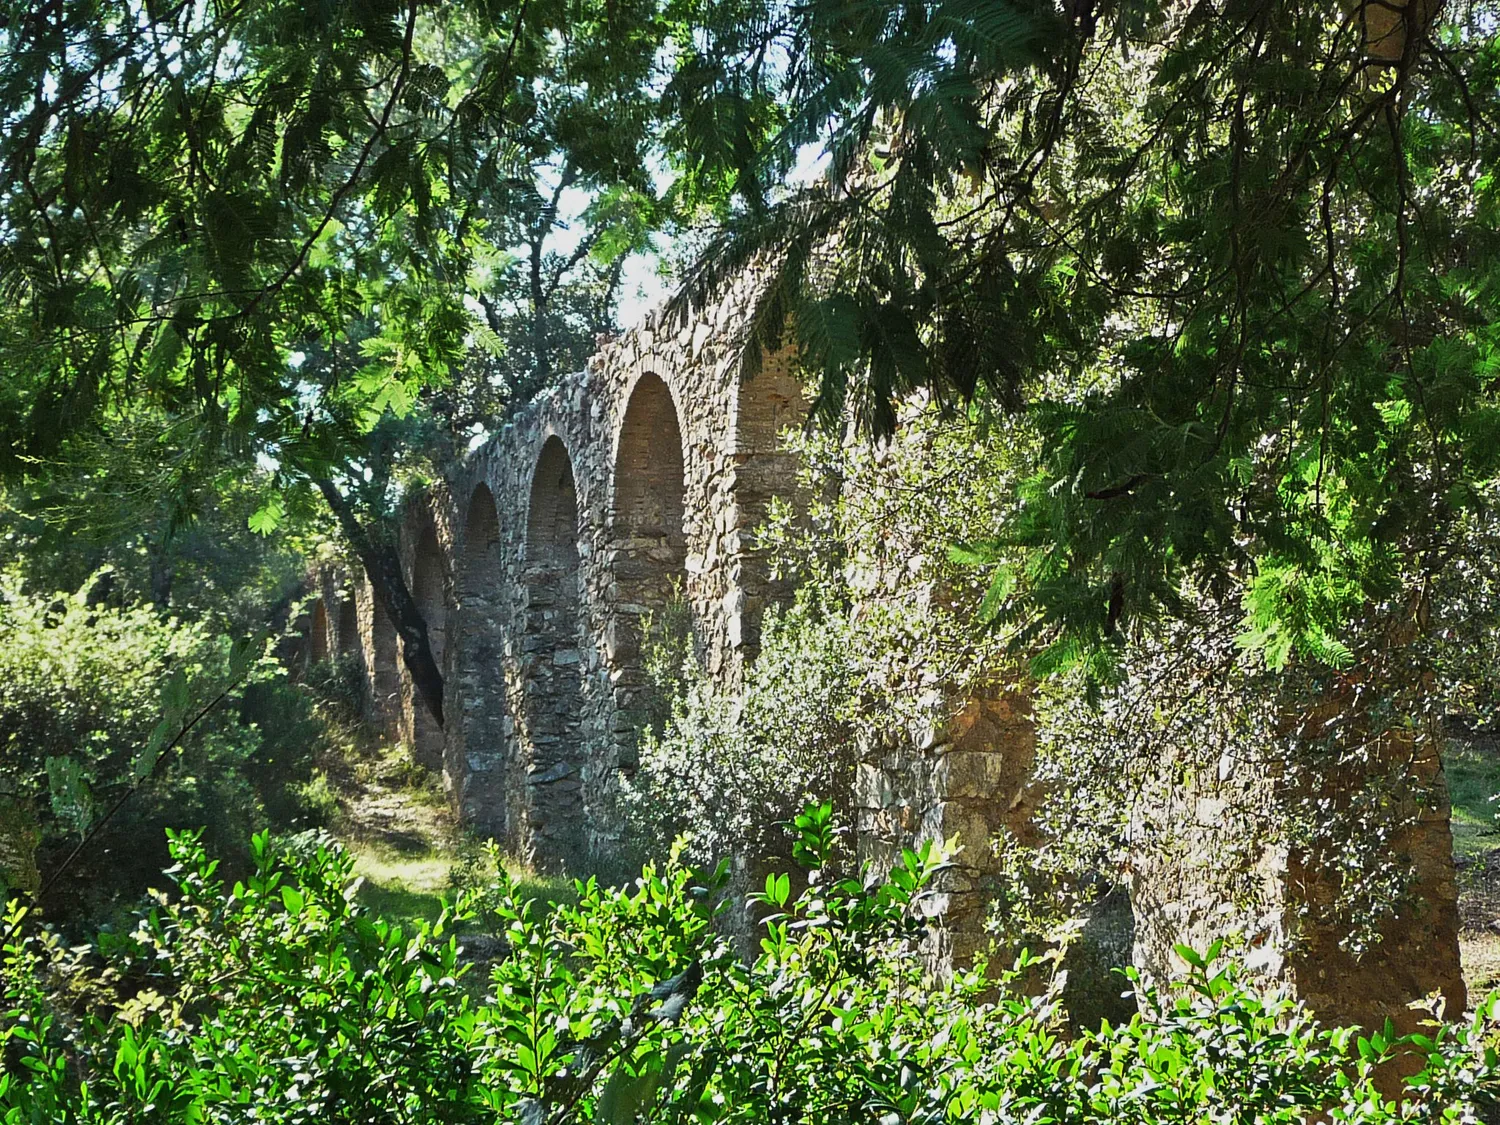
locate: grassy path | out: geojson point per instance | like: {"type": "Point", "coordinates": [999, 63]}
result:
{"type": "Point", "coordinates": [394, 820]}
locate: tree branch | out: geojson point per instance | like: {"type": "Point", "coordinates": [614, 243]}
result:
{"type": "Point", "coordinates": [383, 568]}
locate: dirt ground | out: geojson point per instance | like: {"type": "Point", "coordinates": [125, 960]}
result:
{"type": "Point", "coordinates": [1479, 921]}
{"type": "Point", "coordinates": [406, 842]}
{"type": "Point", "coordinates": [1473, 769]}
{"type": "Point", "coordinates": [393, 819]}
{"type": "Point", "coordinates": [395, 809]}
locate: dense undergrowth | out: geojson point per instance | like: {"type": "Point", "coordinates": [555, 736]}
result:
{"type": "Point", "coordinates": [118, 721]}
{"type": "Point", "coordinates": [281, 999]}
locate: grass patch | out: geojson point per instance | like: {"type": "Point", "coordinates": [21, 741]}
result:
{"type": "Point", "coordinates": [1481, 960]}
{"type": "Point", "coordinates": [394, 820]}
{"type": "Point", "coordinates": [551, 889]}
{"type": "Point", "coordinates": [1473, 771]}
{"type": "Point", "coordinates": [410, 886]}
{"type": "Point", "coordinates": [401, 887]}
{"type": "Point", "coordinates": [397, 903]}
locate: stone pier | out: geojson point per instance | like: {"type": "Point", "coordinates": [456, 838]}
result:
{"type": "Point", "coordinates": [647, 475]}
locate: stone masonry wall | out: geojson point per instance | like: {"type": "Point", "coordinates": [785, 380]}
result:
{"type": "Point", "coordinates": [535, 566]}
{"type": "Point", "coordinates": [1209, 860]}
{"type": "Point", "coordinates": [646, 475]}
{"type": "Point", "coordinates": [963, 779]}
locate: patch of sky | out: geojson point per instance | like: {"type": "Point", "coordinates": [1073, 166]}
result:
{"type": "Point", "coordinates": [645, 280]}
{"type": "Point", "coordinates": [812, 161]}
{"type": "Point", "coordinates": [642, 286]}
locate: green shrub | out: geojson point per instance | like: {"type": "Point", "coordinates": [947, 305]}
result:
{"type": "Point", "coordinates": [733, 765]}
{"type": "Point", "coordinates": [293, 734]}
{"type": "Point", "coordinates": [90, 694]}
{"type": "Point", "coordinates": [83, 694]}
{"type": "Point", "coordinates": [281, 1000]}
{"type": "Point", "coordinates": [316, 800]}
{"type": "Point", "coordinates": [339, 684]}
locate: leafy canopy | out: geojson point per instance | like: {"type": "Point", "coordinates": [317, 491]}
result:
{"type": "Point", "coordinates": [1230, 266]}
{"type": "Point", "coordinates": [265, 217]}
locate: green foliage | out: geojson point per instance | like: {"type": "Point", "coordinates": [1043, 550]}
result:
{"type": "Point", "coordinates": [894, 530]}
{"type": "Point", "coordinates": [168, 519]}
{"type": "Point", "coordinates": [294, 731]}
{"type": "Point", "coordinates": [316, 800]}
{"type": "Point", "coordinates": [91, 695]}
{"type": "Point", "coordinates": [881, 537]}
{"type": "Point", "coordinates": [85, 681]}
{"type": "Point", "coordinates": [92, 698]}
{"type": "Point", "coordinates": [266, 232]}
{"type": "Point", "coordinates": [473, 874]}
{"type": "Point", "coordinates": [731, 766]}
{"type": "Point", "coordinates": [1229, 271]}
{"type": "Point", "coordinates": [1462, 641]}
{"type": "Point", "coordinates": [280, 1000]}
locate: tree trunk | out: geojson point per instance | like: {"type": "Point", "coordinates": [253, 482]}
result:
{"type": "Point", "coordinates": [541, 357]}
{"type": "Point", "coordinates": [383, 568]}
{"type": "Point", "coordinates": [161, 576]}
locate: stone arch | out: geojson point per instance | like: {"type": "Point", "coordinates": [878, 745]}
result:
{"type": "Point", "coordinates": [479, 664]}
{"type": "Point", "coordinates": [650, 489]}
{"type": "Point", "coordinates": [650, 497]}
{"type": "Point", "coordinates": [427, 591]}
{"type": "Point", "coordinates": [552, 516]}
{"type": "Point", "coordinates": [348, 630]}
{"type": "Point", "coordinates": [648, 543]}
{"type": "Point", "coordinates": [318, 647]}
{"type": "Point", "coordinates": [552, 743]}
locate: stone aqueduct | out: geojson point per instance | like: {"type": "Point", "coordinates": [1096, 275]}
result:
{"type": "Point", "coordinates": [650, 471]}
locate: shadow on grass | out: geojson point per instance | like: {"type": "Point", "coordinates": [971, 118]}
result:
{"type": "Point", "coordinates": [397, 903]}
{"type": "Point", "coordinates": [1473, 771]}
{"type": "Point", "coordinates": [405, 887]}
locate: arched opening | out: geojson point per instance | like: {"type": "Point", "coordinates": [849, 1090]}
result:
{"type": "Point", "coordinates": [649, 547]}
{"type": "Point", "coordinates": [552, 522]}
{"type": "Point", "coordinates": [479, 668]}
{"type": "Point", "coordinates": [649, 485]}
{"type": "Point", "coordinates": [318, 649]}
{"type": "Point", "coordinates": [427, 591]}
{"type": "Point", "coordinates": [553, 839]}
{"type": "Point", "coordinates": [348, 631]}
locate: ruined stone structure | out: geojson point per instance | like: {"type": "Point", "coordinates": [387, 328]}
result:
{"type": "Point", "coordinates": [1205, 867]}
{"type": "Point", "coordinates": [646, 474]}
{"type": "Point", "coordinates": [643, 475]}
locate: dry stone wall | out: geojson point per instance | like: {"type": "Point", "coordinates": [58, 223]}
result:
{"type": "Point", "coordinates": [964, 779]}
{"type": "Point", "coordinates": [1205, 864]}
